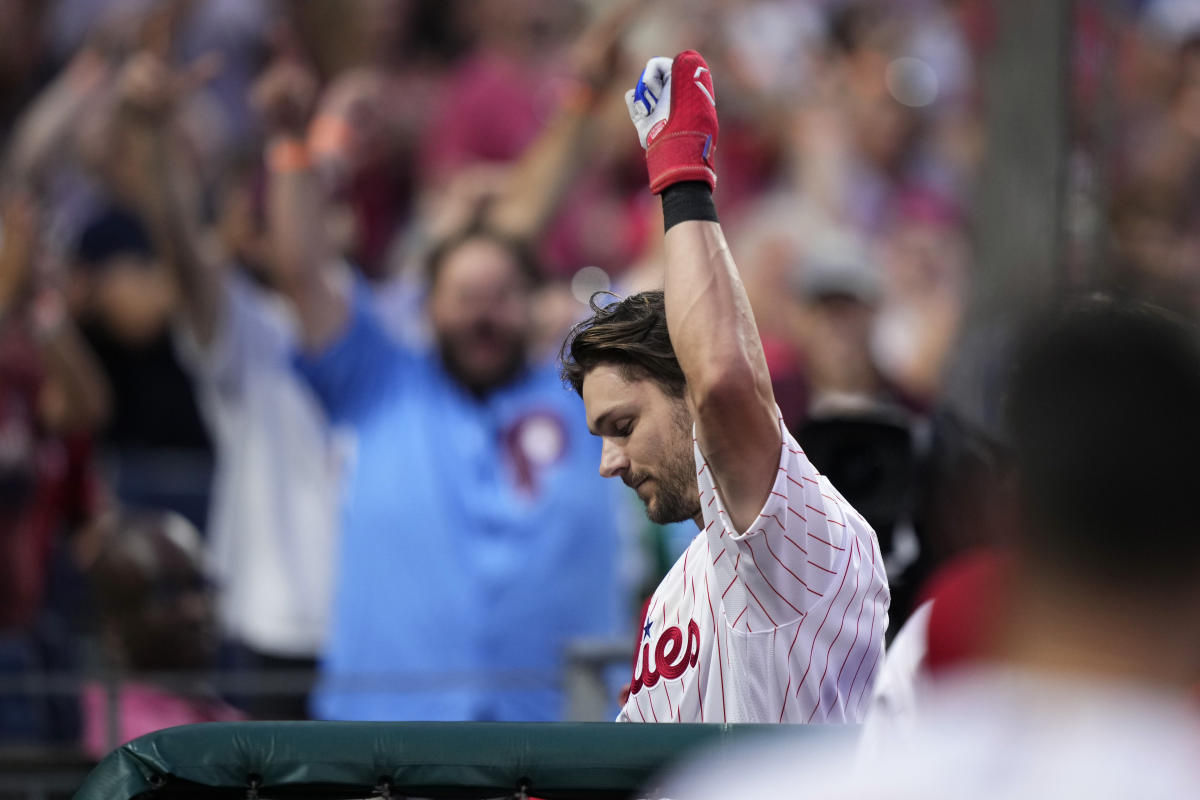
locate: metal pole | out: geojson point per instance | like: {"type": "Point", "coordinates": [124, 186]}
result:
{"type": "Point", "coordinates": [1103, 154]}
{"type": "Point", "coordinates": [112, 710]}
{"type": "Point", "coordinates": [588, 696]}
{"type": "Point", "coordinates": [1018, 226]}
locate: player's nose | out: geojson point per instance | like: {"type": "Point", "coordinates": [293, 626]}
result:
{"type": "Point", "coordinates": [612, 459]}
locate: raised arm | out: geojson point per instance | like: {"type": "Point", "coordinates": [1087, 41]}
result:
{"type": "Point", "coordinates": [168, 191]}
{"type": "Point", "coordinates": [537, 182]}
{"type": "Point", "coordinates": [542, 175]}
{"type": "Point", "coordinates": [709, 318]}
{"type": "Point", "coordinates": [75, 396]}
{"type": "Point", "coordinates": [43, 129]}
{"type": "Point", "coordinates": [296, 205]}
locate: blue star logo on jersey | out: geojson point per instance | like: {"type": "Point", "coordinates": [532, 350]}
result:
{"type": "Point", "coordinates": [646, 630]}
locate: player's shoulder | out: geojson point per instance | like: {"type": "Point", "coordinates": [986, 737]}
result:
{"type": "Point", "coordinates": [689, 566]}
{"type": "Point", "coordinates": [689, 561]}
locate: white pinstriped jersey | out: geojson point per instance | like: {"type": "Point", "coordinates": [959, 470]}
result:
{"type": "Point", "coordinates": [782, 623]}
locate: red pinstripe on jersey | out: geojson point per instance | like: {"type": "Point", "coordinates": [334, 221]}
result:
{"type": "Point", "coordinates": [650, 700]}
{"type": "Point", "coordinates": [857, 623]}
{"type": "Point", "coordinates": [783, 566]}
{"type": "Point", "coordinates": [739, 618]}
{"type": "Point", "coordinates": [787, 602]}
{"type": "Point", "coordinates": [823, 569]}
{"type": "Point", "coordinates": [766, 613]}
{"type": "Point", "coordinates": [829, 650]}
{"type": "Point", "coordinates": [795, 564]}
{"type": "Point", "coordinates": [720, 658]}
{"type": "Point", "coordinates": [793, 541]}
{"type": "Point", "coordinates": [825, 619]}
{"type": "Point", "coordinates": [867, 681]}
{"type": "Point", "coordinates": [854, 680]}
{"type": "Point", "coordinates": [812, 535]}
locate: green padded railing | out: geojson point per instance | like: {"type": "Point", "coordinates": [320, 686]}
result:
{"type": "Point", "coordinates": [248, 760]}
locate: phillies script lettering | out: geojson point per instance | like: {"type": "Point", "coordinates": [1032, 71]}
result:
{"type": "Point", "coordinates": [670, 657]}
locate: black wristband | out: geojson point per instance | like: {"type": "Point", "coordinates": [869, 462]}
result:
{"type": "Point", "coordinates": [685, 201]}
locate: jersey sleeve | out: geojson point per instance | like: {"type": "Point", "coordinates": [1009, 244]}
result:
{"type": "Point", "coordinates": [796, 554]}
{"type": "Point", "coordinates": [348, 374]}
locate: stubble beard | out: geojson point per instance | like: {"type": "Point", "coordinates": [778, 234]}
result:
{"type": "Point", "coordinates": [676, 497]}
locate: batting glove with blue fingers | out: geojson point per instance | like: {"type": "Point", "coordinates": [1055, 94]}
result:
{"type": "Point", "coordinates": [675, 111]}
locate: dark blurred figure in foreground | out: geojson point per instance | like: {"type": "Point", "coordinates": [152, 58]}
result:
{"type": "Point", "coordinates": [1087, 689]}
{"type": "Point", "coordinates": [154, 615]}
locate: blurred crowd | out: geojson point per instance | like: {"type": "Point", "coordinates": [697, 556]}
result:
{"type": "Point", "coordinates": [282, 285]}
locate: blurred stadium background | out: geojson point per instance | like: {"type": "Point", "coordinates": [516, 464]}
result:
{"type": "Point", "coordinates": [901, 180]}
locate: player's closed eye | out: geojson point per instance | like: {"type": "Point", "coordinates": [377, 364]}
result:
{"type": "Point", "coordinates": [623, 428]}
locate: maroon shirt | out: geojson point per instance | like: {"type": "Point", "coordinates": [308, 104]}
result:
{"type": "Point", "coordinates": [46, 484]}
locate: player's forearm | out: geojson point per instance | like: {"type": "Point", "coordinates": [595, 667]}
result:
{"type": "Point", "coordinates": [708, 313]}
{"type": "Point", "coordinates": [301, 250]}
{"type": "Point", "coordinates": [711, 325]}
{"type": "Point", "coordinates": [709, 316]}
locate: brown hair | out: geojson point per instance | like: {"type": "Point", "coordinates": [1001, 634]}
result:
{"type": "Point", "coordinates": [631, 334]}
{"type": "Point", "coordinates": [518, 249]}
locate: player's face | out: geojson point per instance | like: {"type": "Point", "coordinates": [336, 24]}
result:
{"type": "Point", "coordinates": [479, 308]}
{"type": "Point", "coordinates": [647, 438]}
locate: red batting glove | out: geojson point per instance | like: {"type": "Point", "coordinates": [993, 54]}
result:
{"type": "Point", "coordinates": [675, 111]}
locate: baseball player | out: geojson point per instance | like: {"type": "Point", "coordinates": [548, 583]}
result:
{"type": "Point", "coordinates": [776, 611]}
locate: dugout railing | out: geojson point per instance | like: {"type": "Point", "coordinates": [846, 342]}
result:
{"type": "Point", "coordinates": [38, 767]}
